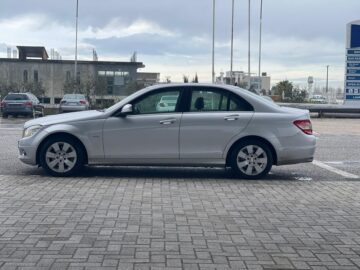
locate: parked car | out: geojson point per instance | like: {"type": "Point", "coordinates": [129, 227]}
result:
{"type": "Point", "coordinates": [318, 99]}
{"type": "Point", "coordinates": [211, 125]}
{"type": "Point", "coordinates": [73, 103]}
{"type": "Point", "coordinates": [167, 104]}
{"type": "Point", "coordinates": [25, 104]}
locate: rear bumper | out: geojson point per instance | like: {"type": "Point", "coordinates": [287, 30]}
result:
{"type": "Point", "coordinates": [21, 110]}
{"type": "Point", "coordinates": [72, 108]}
{"type": "Point", "coordinates": [303, 152]}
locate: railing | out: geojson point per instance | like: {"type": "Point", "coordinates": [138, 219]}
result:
{"type": "Point", "coordinates": [322, 109]}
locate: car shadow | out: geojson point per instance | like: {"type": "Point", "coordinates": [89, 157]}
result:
{"type": "Point", "coordinates": [171, 173]}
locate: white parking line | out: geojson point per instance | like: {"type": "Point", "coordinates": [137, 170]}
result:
{"type": "Point", "coordinates": [335, 170]}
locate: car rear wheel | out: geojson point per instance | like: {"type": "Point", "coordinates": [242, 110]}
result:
{"type": "Point", "coordinates": [62, 156]}
{"type": "Point", "coordinates": [251, 159]}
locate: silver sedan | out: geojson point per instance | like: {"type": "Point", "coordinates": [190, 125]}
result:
{"type": "Point", "coordinates": [211, 125]}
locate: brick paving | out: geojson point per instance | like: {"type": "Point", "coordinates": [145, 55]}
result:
{"type": "Point", "coordinates": [174, 223]}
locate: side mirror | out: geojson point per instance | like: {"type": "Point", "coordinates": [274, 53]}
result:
{"type": "Point", "coordinates": [127, 109]}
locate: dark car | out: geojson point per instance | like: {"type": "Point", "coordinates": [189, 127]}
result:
{"type": "Point", "coordinates": [25, 104]}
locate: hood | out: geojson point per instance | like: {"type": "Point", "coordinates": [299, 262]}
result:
{"type": "Point", "coordinates": [65, 118]}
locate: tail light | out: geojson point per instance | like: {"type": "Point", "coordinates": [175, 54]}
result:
{"type": "Point", "coordinates": [83, 102]}
{"type": "Point", "coordinates": [28, 104]}
{"type": "Point", "coordinates": [305, 126]}
{"type": "Point", "coordinates": [2, 104]}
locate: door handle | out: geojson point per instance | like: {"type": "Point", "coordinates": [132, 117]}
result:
{"type": "Point", "coordinates": [231, 117]}
{"type": "Point", "coordinates": [167, 121]}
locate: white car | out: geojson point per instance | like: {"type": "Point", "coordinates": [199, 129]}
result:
{"type": "Point", "coordinates": [318, 99]}
{"type": "Point", "coordinates": [211, 125]}
{"type": "Point", "coordinates": [167, 104]}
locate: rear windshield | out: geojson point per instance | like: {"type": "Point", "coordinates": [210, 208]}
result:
{"type": "Point", "coordinates": [74, 96]}
{"type": "Point", "coordinates": [16, 97]}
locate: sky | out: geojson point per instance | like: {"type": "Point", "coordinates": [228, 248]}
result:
{"type": "Point", "coordinates": [174, 37]}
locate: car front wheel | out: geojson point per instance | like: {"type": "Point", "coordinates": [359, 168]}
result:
{"type": "Point", "coordinates": [61, 156]}
{"type": "Point", "coordinates": [251, 159]}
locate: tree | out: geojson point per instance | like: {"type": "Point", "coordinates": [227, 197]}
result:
{"type": "Point", "coordinates": [284, 88]}
{"type": "Point", "coordinates": [196, 79]}
{"type": "Point", "coordinates": [186, 79]}
{"type": "Point", "coordinates": [298, 95]}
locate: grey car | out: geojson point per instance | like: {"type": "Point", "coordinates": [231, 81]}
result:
{"type": "Point", "coordinates": [25, 104]}
{"type": "Point", "coordinates": [73, 103]}
{"type": "Point", "coordinates": [211, 125]}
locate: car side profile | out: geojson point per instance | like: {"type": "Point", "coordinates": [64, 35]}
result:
{"type": "Point", "coordinates": [210, 125]}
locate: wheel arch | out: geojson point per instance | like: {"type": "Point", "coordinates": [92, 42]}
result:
{"type": "Point", "coordinates": [253, 137]}
{"type": "Point", "coordinates": [61, 135]}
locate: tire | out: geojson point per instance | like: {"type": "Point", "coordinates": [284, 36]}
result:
{"type": "Point", "coordinates": [4, 115]}
{"type": "Point", "coordinates": [60, 162]}
{"type": "Point", "coordinates": [257, 153]}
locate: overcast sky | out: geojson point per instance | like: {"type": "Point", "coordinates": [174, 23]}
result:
{"type": "Point", "coordinates": [173, 37]}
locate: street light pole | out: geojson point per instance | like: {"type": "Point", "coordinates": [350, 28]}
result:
{"type": "Point", "coordinates": [213, 45]}
{"type": "Point", "coordinates": [232, 42]}
{"type": "Point", "coordinates": [76, 39]}
{"type": "Point", "coordinates": [327, 78]}
{"type": "Point", "coordinates": [260, 40]}
{"type": "Point", "coordinates": [249, 43]}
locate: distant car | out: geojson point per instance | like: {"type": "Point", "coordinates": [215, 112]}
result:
{"type": "Point", "coordinates": [167, 104]}
{"type": "Point", "coordinates": [318, 99]}
{"type": "Point", "coordinates": [210, 125]}
{"type": "Point", "coordinates": [73, 103]}
{"type": "Point", "coordinates": [25, 104]}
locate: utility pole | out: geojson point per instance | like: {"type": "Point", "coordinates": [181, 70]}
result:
{"type": "Point", "coordinates": [260, 40]}
{"type": "Point", "coordinates": [249, 43]}
{"type": "Point", "coordinates": [213, 45]}
{"type": "Point", "coordinates": [232, 43]}
{"type": "Point", "coordinates": [76, 40]}
{"type": "Point", "coordinates": [327, 78]}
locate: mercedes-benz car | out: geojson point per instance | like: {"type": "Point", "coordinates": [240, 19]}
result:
{"type": "Point", "coordinates": [211, 125]}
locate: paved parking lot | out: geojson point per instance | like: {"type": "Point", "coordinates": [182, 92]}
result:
{"type": "Point", "coordinates": [299, 217]}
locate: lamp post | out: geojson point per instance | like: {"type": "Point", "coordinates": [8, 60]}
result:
{"type": "Point", "coordinates": [260, 40]}
{"type": "Point", "coordinates": [249, 42]}
{"type": "Point", "coordinates": [76, 39]}
{"type": "Point", "coordinates": [213, 45]}
{"type": "Point", "coordinates": [232, 42]}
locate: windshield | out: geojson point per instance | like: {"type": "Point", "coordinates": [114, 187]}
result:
{"type": "Point", "coordinates": [74, 96]}
{"type": "Point", "coordinates": [17, 97]}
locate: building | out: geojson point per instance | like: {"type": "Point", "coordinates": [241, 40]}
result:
{"type": "Point", "coordinates": [109, 79]}
{"type": "Point", "coordinates": [148, 78]}
{"type": "Point", "coordinates": [242, 79]}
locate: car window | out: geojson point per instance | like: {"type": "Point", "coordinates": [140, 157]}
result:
{"type": "Point", "coordinates": [209, 100]}
{"type": "Point", "coordinates": [158, 102]}
{"type": "Point", "coordinates": [16, 97]}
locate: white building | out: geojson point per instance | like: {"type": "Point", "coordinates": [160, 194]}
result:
{"type": "Point", "coordinates": [242, 79]}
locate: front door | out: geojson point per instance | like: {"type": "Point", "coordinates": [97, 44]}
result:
{"type": "Point", "coordinates": [151, 132]}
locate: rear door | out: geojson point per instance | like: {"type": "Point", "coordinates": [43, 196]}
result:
{"type": "Point", "coordinates": [213, 117]}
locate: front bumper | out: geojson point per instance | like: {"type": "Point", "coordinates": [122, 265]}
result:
{"type": "Point", "coordinates": [27, 154]}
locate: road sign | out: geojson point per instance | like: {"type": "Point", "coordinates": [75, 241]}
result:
{"type": "Point", "coordinates": [353, 71]}
{"type": "Point", "coordinates": [353, 65]}
{"type": "Point", "coordinates": [352, 76]}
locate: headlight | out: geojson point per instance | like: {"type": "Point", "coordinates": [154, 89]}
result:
{"type": "Point", "coordinates": [28, 132]}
